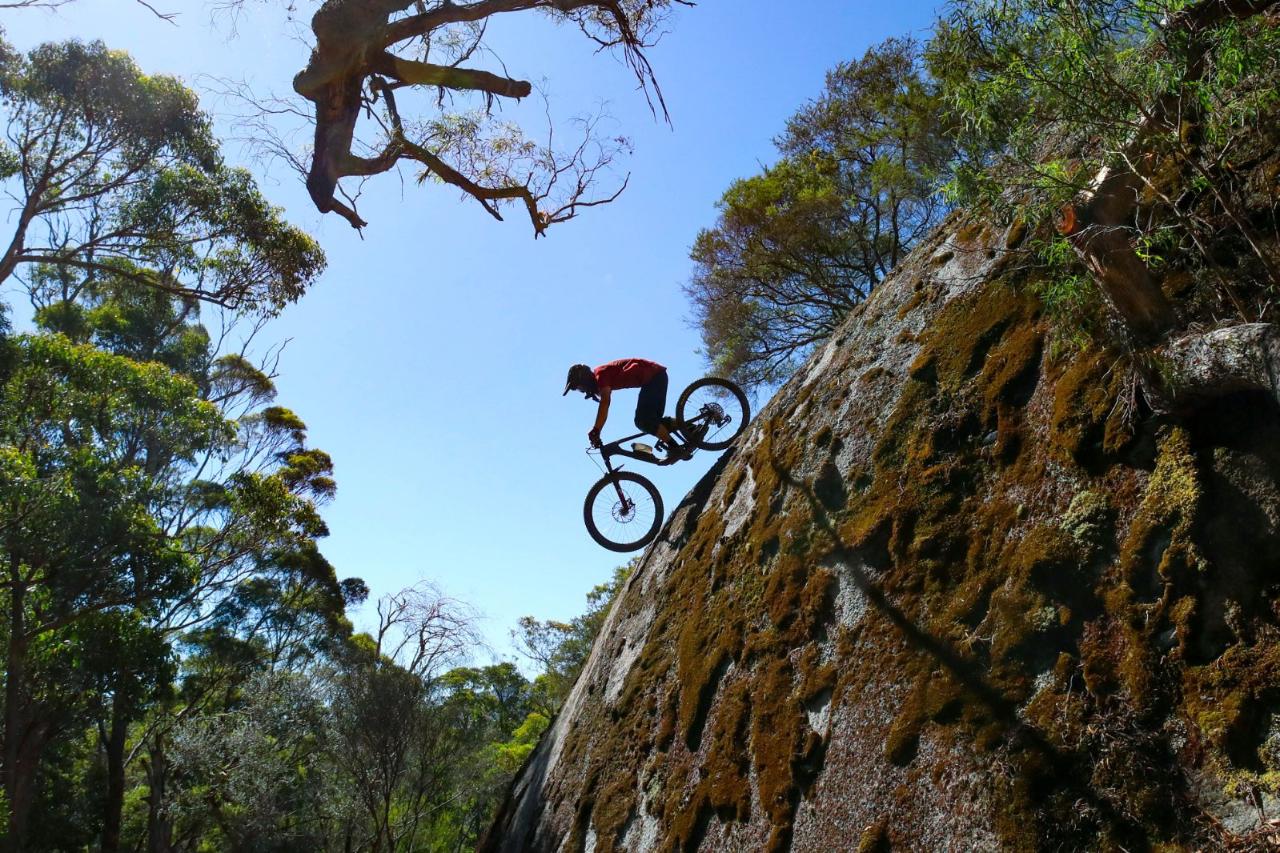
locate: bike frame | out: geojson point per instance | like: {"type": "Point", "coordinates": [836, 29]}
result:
{"type": "Point", "coordinates": [615, 448]}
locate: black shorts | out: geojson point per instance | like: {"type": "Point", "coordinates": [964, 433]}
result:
{"type": "Point", "coordinates": [653, 399]}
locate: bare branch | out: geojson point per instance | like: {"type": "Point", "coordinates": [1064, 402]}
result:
{"type": "Point", "coordinates": [168, 17]}
{"type": "Point", "coordinates": [425, 631]}
{"type": "Point", "coordinates": [352, 68]}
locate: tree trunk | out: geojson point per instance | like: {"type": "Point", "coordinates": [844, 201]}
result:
{"type": "Point", "coordinates": [115, 743]}
{"type": "Point", "coordinates": [9, 261]}
{"type": "Point", "coordinates": [16, 788]}
{"type": "Point", "coordinates": [1100, 230]}
{"type": "Point", "coordinates": [159, 825]}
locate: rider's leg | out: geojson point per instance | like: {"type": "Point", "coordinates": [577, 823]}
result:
{"type": "Point", "coordinates": [649, 406]}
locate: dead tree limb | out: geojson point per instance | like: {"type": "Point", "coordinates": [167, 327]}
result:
{"type": "Point", "coordinates": [354, 63]}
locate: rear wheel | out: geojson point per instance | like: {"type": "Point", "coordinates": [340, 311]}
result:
{"type": "Point", "coordinates": [627, 522]}
{"type": "Point", "coordinates": [717, 404]}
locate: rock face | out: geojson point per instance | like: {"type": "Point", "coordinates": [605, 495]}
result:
{"type": "Point", "coordinates": [952, 589]}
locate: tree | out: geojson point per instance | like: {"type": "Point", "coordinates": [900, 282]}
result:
{"type": "Point", "coordinates": [186, 510]}
{"type": "Point", "coordinates": [397, 748]}
{"type": "Point", "coordinates": [116, 173]}
{"type": "Point", "coordinates": [490, 727]}
{"type": "Point", "coordinates": [796, 247]}
{"type": "Point", "coordinates": [1136, 126]}
{"type": "Point", "coordinates": [362, 59]}
{"type": "Point", "coordinates": [77, 537]}
{"type": "Point", "coordinates": [263, 772]}
{"type": "Point", "coordinates": [244, 753]}
{"type": "Point", "coordinates": [151, 493]}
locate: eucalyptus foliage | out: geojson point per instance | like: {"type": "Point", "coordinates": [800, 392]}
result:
{"type": "Point", "coordinates": [115, 172]}
{"type": "Point", "coordinates": [1181, 96]}
{"type": "Point", "coordinates": [797, 246]}
{"type": "Point", "coordinates": [153, 501]}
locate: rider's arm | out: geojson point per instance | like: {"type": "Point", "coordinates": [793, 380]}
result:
{"type": "Point", "coordinates": [602, 414]}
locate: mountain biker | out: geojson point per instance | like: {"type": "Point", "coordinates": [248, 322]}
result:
{"type": "Point", "coordinates": [650, 377]}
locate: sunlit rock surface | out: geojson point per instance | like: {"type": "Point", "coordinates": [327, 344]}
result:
{"type": "Point", "coordinates": [954, 589]}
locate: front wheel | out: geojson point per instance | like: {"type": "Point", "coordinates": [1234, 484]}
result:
{"type": "Point", "coordinates": [717, 404]}
{"type": "Point", "coordinates": [623, 511]}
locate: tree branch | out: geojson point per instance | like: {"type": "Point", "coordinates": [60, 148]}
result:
{"type": "Point", "coordinates": [411, 72]}
{"type": "Point", "coordinates": [353, 38]}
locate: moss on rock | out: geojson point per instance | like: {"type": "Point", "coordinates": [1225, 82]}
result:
{"type": "Point", "coordinates": [996, 560]}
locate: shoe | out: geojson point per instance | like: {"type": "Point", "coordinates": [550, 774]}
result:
{"type": "Point", "coordinates": [679, 451]}
{"type": "Point", "coordinates": [693, 434]}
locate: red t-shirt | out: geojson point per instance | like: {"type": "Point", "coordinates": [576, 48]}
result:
{"type": "Point", "coordinates": [626, 373]}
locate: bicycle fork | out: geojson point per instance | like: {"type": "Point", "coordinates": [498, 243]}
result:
{"type": "Point", "coordinates": [626, 503]}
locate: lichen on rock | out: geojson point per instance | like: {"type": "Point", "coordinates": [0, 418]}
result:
{"type": "Point", "coordinates": [949, 590]}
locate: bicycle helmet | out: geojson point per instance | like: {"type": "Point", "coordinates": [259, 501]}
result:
{"type": "Point", "coordinates": [581, 378]}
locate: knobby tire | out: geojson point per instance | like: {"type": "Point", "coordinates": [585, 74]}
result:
{"type": "Point", "coordinates": [740, 417]}
{"type": "Point", "coordinates": [604, 491]}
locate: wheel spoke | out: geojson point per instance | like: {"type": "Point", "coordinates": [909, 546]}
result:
{"type": "Point", "coordinates": [720, 405]}
{"type": "Point", "coordinates": [609, 521]}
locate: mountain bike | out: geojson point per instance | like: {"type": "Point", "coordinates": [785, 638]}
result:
{"type": "Point", "coordinates": [623, 511]}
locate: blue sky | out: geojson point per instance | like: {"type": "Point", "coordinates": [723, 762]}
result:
{"type": "Point", "coordinates": [430, 357]}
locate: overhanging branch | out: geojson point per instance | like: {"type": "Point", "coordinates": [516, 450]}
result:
{"type": "Point", "coordinates": [352, 51]}
{"type": "Point", "coordinates": [411, 72]}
